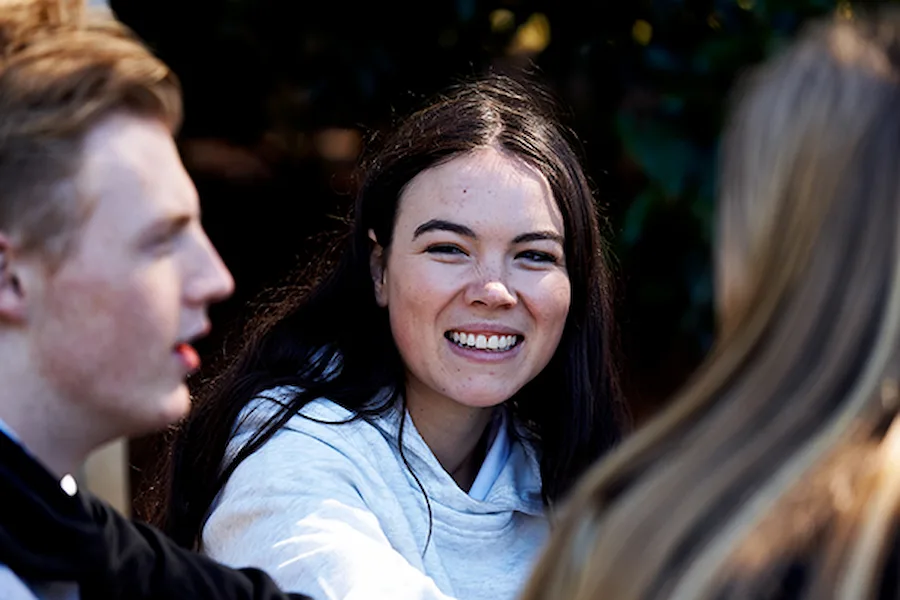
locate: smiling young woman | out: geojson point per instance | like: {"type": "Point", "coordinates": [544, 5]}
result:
{"type": "Point", "coordinates": [398, 432]}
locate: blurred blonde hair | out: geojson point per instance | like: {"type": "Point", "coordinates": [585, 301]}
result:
{"type": "Point", "coordinates": [775, 471]}
{"type": "Point", "coordinates": [63, 68]}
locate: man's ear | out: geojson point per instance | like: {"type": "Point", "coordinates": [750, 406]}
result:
{"type": "Point", "coordinates": [378, 269]}
{"type": "Point", "coordinates": [12, 296]}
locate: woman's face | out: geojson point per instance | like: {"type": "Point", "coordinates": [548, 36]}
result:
{"type": "Point", "coordinates": [475, 280]}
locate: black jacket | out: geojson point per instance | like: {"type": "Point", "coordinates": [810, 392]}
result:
{"type": "Point", "coordinates": [46, 535]}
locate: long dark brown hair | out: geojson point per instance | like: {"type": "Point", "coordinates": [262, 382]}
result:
{"type": "Point", "coordinates": [572, 408]}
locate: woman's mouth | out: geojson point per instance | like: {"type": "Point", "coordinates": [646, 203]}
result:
{"type": "Point", "coordinates": [489, 342]}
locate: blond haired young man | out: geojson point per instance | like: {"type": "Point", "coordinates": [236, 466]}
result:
{"type": "Point", "coordinates": [105, 278]}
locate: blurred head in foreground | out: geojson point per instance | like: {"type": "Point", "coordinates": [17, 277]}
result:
{"type": "Point", "coordinates": [776, 472]}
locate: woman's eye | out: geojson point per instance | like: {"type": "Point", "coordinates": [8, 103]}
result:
{"type": "Point", "coordinates": [537, 256]}
{"type": "Point", "coordinates": [444, 249]}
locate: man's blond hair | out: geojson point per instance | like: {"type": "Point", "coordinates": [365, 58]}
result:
{"type": "Point", "coordinates": [63, 68]}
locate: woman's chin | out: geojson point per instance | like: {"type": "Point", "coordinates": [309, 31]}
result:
{"type": "Point", "coordinates": [482, 398]}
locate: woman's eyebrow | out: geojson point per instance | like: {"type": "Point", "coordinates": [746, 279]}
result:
{"type": "Point", "coordinates": [535, 236]}
{"type": "Point", "coordinates": [442, 225]}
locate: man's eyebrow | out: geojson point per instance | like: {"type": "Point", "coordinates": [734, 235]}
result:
{"type": "Point", "coordinates": [535, 236]}
{"type": "Point", "coordinates": [442, 225]}
{"type": "Point", "coordinates": [165, 226]}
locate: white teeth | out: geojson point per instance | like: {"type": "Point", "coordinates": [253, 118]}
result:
{"type": "Point", "coordinates": [483, 342]}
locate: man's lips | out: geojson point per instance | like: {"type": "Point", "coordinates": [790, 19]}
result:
{"type": "Point", "coordinates": [188, 356]}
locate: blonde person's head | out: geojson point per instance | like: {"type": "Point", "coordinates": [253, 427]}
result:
{"type": "Point", "coordinates": [63, 68]}
{"type": "Point", "coordinates": [777, 465]}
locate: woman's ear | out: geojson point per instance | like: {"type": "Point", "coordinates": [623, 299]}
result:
{"type": "Point", "coordinates": [378, 269]}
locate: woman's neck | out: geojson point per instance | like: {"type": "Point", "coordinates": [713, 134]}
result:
{"type": "Point", "coordinates": [454, 432]}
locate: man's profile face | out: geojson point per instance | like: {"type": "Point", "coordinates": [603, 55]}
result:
{"type": "Point", "coordinates": [112, 323]}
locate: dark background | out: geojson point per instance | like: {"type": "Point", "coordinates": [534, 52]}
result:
{"type": "Point", "coordinates": [280, 94]}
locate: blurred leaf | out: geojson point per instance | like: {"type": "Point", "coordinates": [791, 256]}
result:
{"type": "Point", "coordinates": [671, 104]}
{"type": "Point", "coordinates": [662, 59]}
{"type": "Point", "coordinates": [636, 216]}
{"type": "Point", "coordinates": [662, 153]}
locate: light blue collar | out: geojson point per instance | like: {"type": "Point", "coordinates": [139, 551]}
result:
{"type": "Point", "coordinates": [494, 460]}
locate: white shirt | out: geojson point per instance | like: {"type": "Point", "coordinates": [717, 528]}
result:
{"type": "Point", "coordinates": [332, 511]}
